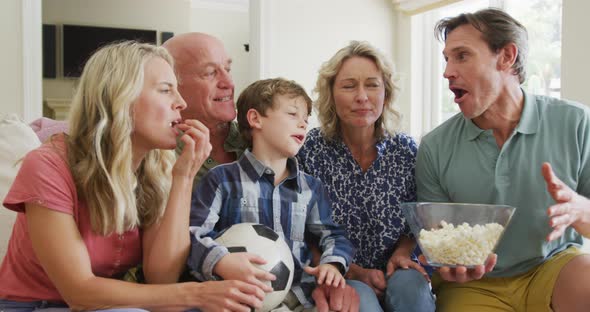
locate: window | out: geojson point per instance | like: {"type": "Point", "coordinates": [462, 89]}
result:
{"type": "Point", "coordinates": [432, 102]}
{"type": "Point", "coordinates": [542, 18]}
{"type": "Point", "coordinates": [447, 106]}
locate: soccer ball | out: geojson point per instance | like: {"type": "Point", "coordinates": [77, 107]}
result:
{"type": "Point", "coordinates": [266, 243]}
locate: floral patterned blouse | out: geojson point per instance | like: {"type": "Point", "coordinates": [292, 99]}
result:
{"type": "Point", "coordinates": [367, 203]}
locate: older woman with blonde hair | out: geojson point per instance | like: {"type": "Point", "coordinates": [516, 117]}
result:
{"type": "Point", "coordinates": [368, 169]}
{"type": "Point", "coordinates": [112, 194]}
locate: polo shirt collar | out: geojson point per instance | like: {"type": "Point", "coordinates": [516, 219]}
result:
{"type": "Point", "coordinates": [528, 124]}
{"type": "Point", "coordinates": [473, 131]}
{"type": "Point", "coordinates": [530, 117]}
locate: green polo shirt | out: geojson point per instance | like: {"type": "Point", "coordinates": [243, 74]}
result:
{"type": "Point", "coordinates": [234, 143]}
{"type": "Point", "coordinates": [459, 162]}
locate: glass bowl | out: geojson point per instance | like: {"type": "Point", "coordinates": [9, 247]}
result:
{"type": "Point", "coordinates": [457, 234]}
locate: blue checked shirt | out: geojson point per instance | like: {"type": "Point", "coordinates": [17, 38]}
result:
{"type": "Point", "coordinates": [244, 191]}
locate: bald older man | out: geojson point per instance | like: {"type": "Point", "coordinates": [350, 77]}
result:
{"type": "Point", "coordinates": [203, 68]}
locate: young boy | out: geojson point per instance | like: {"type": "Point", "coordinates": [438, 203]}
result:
{"type": "Point", "coordinates": [265, 186]}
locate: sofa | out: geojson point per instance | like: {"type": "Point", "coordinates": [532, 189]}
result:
{"type": "Point", "coordinates": [17, 138]}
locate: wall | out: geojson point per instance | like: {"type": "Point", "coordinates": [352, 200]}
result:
{"type": "Point", "coordinates": [575, 50]}
{"type": "Point", "coordinates": [575, 66]}
{"type": "Point", "coordinates": [11, 80]}
{"type": "Point", "coordinates": [307, 45]}
{"type": "Point", "coordinates": [297, 36]}
{"type": "Point", "coordinates": [403, 61]}
{"type": "Point", "coordinates": [171, 15]}
{"type": "Point", "coordinates": [231, 25]}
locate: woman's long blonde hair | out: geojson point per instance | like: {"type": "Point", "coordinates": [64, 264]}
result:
{"type": "Point", "coordinates": [389, 120]}
{"type": "Point", "coordinates": [118, 197]}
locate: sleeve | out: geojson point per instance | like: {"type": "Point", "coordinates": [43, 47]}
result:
{"type": "Point", "coordinates": [411, 174]}
{"type": "Point", "coordinates": [308, 154]}
{"type": "Point", "coordinates": [428, 185]}
{"type": "Point", "coordinates": [302, 156]}
{"type": "Point", "coordinates": [584, 143]}
{"type": "Point", "coordinates": [335, 246]}
{"type": "Point", "coordinates": [410, 178]}
{"type": "Point", "coordinates": [206, 204]}
{"type": "Point", "coordinates": [43, 178]}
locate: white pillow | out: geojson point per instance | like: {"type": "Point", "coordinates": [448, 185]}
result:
{"type": "Point", "coordinates": [16, 140]}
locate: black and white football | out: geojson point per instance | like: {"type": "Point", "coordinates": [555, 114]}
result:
{"type": "Point", "coordinates": [263, 241]}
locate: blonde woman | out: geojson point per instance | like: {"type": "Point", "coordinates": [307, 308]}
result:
{"type": "Point", "coordinates": [110, 195]}
{"type": "Point", "coordinates": [368, 169]}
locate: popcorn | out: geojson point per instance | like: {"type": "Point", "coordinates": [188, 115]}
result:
{"type": "Point", "coordinates": [461, 245]}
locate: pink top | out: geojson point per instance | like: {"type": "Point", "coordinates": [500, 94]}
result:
{"type": "Point", "coordinates": [45, 178]}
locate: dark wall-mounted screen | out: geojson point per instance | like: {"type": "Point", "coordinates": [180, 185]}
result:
{"type": "Point", "coordinates": [79, 42]}
{"type": "Point", "coordinates": [49, 59]}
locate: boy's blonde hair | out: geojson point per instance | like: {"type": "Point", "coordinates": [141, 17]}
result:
{"type": "Point", "coordinates": [260, 96]}
{"type": "Point", "coordinates": [118, 197]}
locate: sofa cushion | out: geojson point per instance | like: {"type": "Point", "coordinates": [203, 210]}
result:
{"type": "Point", "coordinates": [46, 127]}
{"type": "Point", "coordinates": [16, 140]}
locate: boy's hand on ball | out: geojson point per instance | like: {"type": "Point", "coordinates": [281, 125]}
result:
{"type": "Point", "coordinates": [327, 274]}
{"type": "Point", "coordinates": [242, 266]}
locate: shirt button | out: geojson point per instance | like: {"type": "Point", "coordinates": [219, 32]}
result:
{"type": "Point", "coordinates": [268, 171]}
{"type": "Point", "coordinates": [209, 160]}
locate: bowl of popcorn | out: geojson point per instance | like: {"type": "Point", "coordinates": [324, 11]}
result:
{"type": "Point", "coordinates": [457, 234]}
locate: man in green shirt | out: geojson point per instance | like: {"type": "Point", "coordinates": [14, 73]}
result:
{"type": "Point", "coordinates": [499, 151]}
{"type": "Point", "coordinates": [204, 81]}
